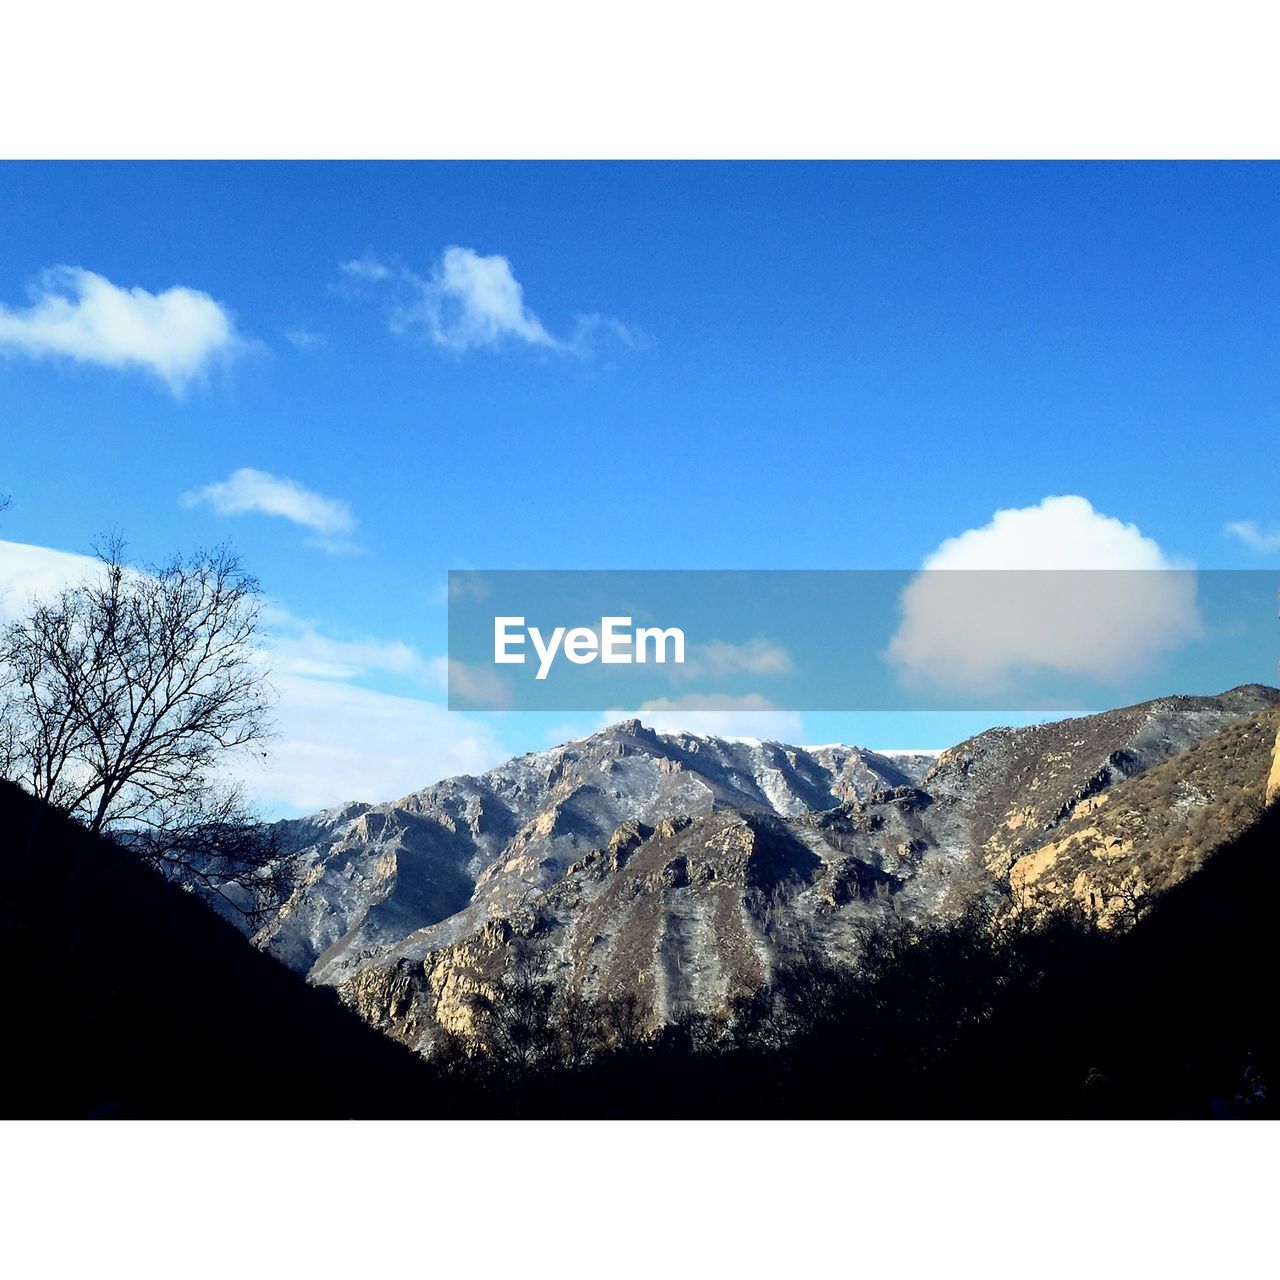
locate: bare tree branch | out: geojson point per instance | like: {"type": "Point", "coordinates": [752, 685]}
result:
{"type": "Point", "coordinates": [123, 700]}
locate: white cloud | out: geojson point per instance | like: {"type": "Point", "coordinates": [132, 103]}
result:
{"type": "Point", "coordinates": [177, 335]}
{"type": "Point", "coordinates": [367, 268]}
{"type": "Point", "coordinates": [1060, 533]}
{"type": "Point", "coordinates": [305, 339]}
{"type": "Point", "coordinates": [338, 742]}
{"type": "Point", "coordinates": [472, 300]}
{"type": "Point", "coordinates": [750, 715]}
{"type": "Point", "coordinates": [1262, 540]}
{"type": "Point", "coordinates": [248, 490]}
{"type": "Point", "coordinates": [594, 331]}
{"type": "Point", "coordinates": [983, 632]}
{"type": "Point", "coordinates": [300, 648]}
{"type": "Point", "coordinates": [475, 301]}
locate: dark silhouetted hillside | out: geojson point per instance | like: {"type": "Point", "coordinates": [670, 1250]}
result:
{"type": "Point", "coordinates": [1176, 1017]}
{"type": "Point", "coordinates": [125, 996]}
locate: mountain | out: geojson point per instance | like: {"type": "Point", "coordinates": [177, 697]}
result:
{"type": "Point", "coordinates": [1172, 1017]}
{"type": "Point", "coordinates": [450, 857]}
{"type": "Point", "coordinates": [682, 871]}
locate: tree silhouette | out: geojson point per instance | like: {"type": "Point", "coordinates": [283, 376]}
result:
{"type": "Point", "coordinates": [1131, 892]}
{"type": "Point", "coordinates": [514, 1024]}
{"type": "Point", "coordinates": [122, 701]}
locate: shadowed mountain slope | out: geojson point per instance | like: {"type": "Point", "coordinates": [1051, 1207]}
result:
{"type": "Point", "coordinates": [1173, 1017]}
{"type": "Point", "coordinates": [128, 997]}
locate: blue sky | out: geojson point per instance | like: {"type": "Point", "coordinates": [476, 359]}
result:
{"type": "Point", "coordinates": [710, 366]}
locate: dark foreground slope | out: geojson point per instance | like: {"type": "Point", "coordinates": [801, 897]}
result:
{"type": "Point", "coordinates": [1177, 1017]}
{"type": "Point", "coordinates": [125, 996]}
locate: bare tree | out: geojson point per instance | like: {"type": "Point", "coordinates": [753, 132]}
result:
{"type": "Point", "coordinates": [575, 1023]}
{"type": "Point", "coordinates": [1132, 894]}
{"type": "Point", "coordinates": [122, 701]}
{"type": "Point", "coordinates": [625, 1021]}
{"type": "Point", "coordinates": [514, 1023]}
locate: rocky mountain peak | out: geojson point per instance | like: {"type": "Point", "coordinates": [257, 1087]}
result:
{"type": "Point", "coordinates": [683, 867]}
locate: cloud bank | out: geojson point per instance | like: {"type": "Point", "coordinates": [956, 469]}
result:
{"type": "Point", "coordinates": [991, 608]}
{"type": "Point", "coordinates": [30, 573]}
{"type": "Point", "coordinates": [300, 648]}
{"type": "Point", "coordinates": [177, 335]}
{"type": "Point", "coordinates": [338, 741]}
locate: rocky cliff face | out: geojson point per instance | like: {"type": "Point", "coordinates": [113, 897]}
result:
{"type": "Point", "coordinates": [1120, 848]}
{"type": "Point", "coordinates": [437, 864]}
{"type": "Point", "coordinates": [682, 870]}
{"type": "Point", "coordinates": [1273, 778]}
{"type": "Point", "coordinates": [1014, 785]}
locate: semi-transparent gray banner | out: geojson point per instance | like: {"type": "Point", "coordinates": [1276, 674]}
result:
{"type": "Point", "coordinates": [854, 640]}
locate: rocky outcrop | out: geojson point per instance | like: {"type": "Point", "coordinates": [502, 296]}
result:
{"type": "Point", "coordinates": [1016, 785]}
{"type": "Point", "coordinates": [1273, 778]}
{"type": "Point", "coordinates": [1112, 857]}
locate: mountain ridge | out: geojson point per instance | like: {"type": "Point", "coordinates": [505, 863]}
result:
{"type": "Point", "coordinates": [510, 832]}
{"type": "Point", "coordinates": [682, 868]}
